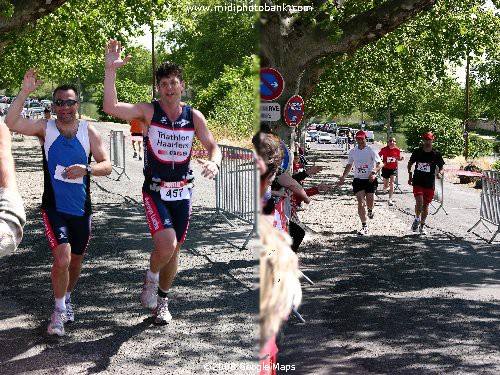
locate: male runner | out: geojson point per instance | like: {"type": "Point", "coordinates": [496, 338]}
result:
{"type": "Point", "coordinates": [366, 166]}
{"type": "Point", "coordinates": [169, 127]}
{"type": "Point", "coordinates": [426, 159]}
{"type": "Point", "coordinates": [67, 147]}
{"type": "Point", "coordinates": [390, 155]}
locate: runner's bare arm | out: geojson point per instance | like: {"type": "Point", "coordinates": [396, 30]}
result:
{"type": "Point", "coordinates": [111, 105]}
{"type": "Point", "coordinates": [212, 165]}
{"type": "Point", "coordinates": [347, 169]}
{"type": "Point", "coordinates": [14, 120]}
{"type": "Point", "coordinates": [7, 172]}
{"type": "Point", "coordinates": [103, 166]}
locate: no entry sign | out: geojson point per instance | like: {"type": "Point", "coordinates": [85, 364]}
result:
{"type": "Point", "coordinates": [271, 84]}
{"type": "Point", "coordinates": [294, 110]}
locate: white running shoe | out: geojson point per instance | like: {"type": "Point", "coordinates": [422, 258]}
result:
{"type": "Point", "coordinates": [69, 317]}
{"type": "Point", "coordinates": [56, 325]}
{"type": "Point", "coordinates": [161, 313]}
{"type": "Point", "coordinates": [423, 230]}
{"type": "Point", "coordinates": [391, 203]}
{"type": "Point", "coordinates": [363, 231]}
{"type": "Point", "coordinates": [149, 293]}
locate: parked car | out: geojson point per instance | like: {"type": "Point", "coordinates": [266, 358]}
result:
{"type": "Point", "coordinates": [35, 111]}
{"type": "Point", "coordinates": [324, 137]}
{"type": "Point", "coordinates": [45, 103]}
{"type": "Point", "coordinates": [313, 134]}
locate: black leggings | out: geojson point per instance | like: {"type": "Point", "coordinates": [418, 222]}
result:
{"type": "Point", "coordinates": [297, 234]}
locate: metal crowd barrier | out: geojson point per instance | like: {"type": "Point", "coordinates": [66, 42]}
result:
{"type": "Point", "coordinates": [117, 152]}
{"type": "Point", "coordinates": [438, 195]}
{"type": "Point", "coordinates": [344, 143]}
{"type": "Point", "coordinates": [490, 201]}
{"type": "Point", "coordinates": [237, 188]}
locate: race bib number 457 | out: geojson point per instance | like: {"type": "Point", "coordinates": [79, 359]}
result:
{"type": "Point", "coordinates": [174, 191]}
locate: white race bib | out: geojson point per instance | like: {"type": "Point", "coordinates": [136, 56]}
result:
{"type": "Point", "coordinates": [362, 169]}
{"type": "Point", "coordinates": [174, 191]}
{"type": "Point", "coordinates": [423, 167]}
{"type": "Point", "coordinates": [391, 159]}
{"type": "Point", "coordinates": [59, 174]}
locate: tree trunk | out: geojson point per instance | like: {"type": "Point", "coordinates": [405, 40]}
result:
{"type": "Point", "coordinates": [298, 50]}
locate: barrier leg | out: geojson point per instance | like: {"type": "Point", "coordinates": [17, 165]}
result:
{"type": "Point", "coordinates": [492, 238]}
{"type": "Point", "coordinates": [297, 315]}
{"type": "Point", "coordinates": [306, 278]}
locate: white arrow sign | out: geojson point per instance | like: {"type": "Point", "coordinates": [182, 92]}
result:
{"type": "Point", "coordinates": [270, 111]}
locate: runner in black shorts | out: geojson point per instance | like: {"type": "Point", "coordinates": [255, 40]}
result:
{"type": "Point", "coordinates": [67, 147]}
{"type": "Point", "coordinates": [366, 164]}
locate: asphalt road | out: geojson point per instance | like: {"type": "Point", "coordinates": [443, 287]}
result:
{"type": "Point", "coordinates": [214, 302]}
{"type": "Point", "coordinates": [393, 302]}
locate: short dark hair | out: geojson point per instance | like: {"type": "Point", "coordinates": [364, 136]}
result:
{"type": "Point", "coordinates": [65, 87]}
{"type": "Point", "coordinates": [166, 69]}
{"type": "Point", "coordinates": [46, 110]}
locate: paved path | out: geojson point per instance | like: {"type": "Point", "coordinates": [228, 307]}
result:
{"type": "Point", "coordinates": [214, 301]}
{"type": "Point", "coordinates": [392, 302]}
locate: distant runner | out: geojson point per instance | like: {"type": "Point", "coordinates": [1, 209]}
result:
{"type": "Point", "coordinates": [390, 155]}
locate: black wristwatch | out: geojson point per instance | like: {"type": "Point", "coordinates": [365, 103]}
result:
{"type": "Point", "coordinates": [89, 169]}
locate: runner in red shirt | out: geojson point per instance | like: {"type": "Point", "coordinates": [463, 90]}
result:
{"type": "Point", "coordinates": [390, 155]}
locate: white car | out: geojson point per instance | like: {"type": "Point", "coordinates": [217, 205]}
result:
{"type": "Point", "coordinates": [324, 137]}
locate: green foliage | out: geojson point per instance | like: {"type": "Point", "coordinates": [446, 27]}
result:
{"type": "Point", "coordinates": [204, 41]}
{"type": "Point", "coordinates": [447, 132]}
{"type": "Point", "coordinates": [6, 9]}
{"type": "Point", "coordinates": [408, 69]}
{"type": "Point", "coordinates": [70, 41]}
{"type": "Point", "coordinates": [230, 101]}
{"type": "Point", "coordinates": [128, 92]}
{"type": "Point", "coordinates": [479, 146]}
{"type": "Point", "coordinates": [496, 165]}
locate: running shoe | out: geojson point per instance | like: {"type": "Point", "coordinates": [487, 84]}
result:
{"type": "Point", "coordinates": [363, 231]}
{"type": "Point", "coordinates": [414, 226]}
{"type": "Point", "coordinates": [161, 313]}
{"type": "Point", "coordinates": [148, 295]}
{"type": "Point", "coordinates": [69, 317]}
{"type": "Point", "coordinates": [56, 325]}
{"type": "Point", "coordinates": [140, 157]}
{"type": "Point", "coordinates": [423, 231]}
{"type": "Point", "coordinates": [135, 155]}
{"type": "Point", "coordinates": [370, 214]}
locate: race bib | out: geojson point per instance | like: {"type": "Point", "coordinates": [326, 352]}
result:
{"type": "Point", "coordinates": [423, 167]}
{"type": "Point", "coordinates": [60, 174]}
{"type": "Point", "coordinates": [362, 169]}
{"type": "Point", "coordinates": [391, 159]}
{"type": "Point", "coordinates": [174, 191]}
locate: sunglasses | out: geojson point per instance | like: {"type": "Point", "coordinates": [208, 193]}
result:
{"type": "Point", "coordinates": [392, 141]}
{"type": "Point", "coordinates": [69, 102]}
{"type": "Point", "coordinates": [427, 139]}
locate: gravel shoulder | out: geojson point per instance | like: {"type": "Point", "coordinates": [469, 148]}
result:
{"type": "Point", "coordinates": [214, 304]}
{"type": "Point", "coordinates": [393, 302]}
